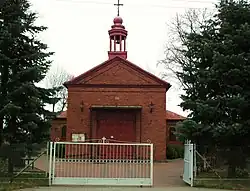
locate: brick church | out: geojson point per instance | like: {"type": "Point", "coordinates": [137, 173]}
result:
{"type": "Point", "coordinates": [117, 100]}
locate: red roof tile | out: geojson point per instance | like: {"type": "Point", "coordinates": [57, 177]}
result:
{"type": "Point", "coordinates": [62, 115]}
{"type": "Point", "coordinates": [173, 116]}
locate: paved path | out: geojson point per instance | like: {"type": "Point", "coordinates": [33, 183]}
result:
{"type": "Point", "coordinates": [168, 174]}
{"type": "Point", "coordinates": [166, 178]}
{"type": "Point", "coordinates": [165, 174]}
{"type": "Point", "coordinates": [119, 189]}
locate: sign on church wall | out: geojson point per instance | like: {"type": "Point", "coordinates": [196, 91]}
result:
{"type": "Point", "coordinates": [78, 137]}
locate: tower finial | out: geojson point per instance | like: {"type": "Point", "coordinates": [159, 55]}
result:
{"type": "Point", "coordinates": [118, 7]}
{"type": "Point", "coordinates": [117, 37]}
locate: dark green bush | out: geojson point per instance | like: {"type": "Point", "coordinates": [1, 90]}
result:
{"type": "Point", "coordinates": [175, 151]}
{"type": "Point", "coordinates": [242, 173]}
{"type": "Point", "coordinates": [60, 151]}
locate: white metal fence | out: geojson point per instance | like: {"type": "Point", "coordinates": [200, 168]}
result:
{"type": "Point", "coordinates": [101, 163]}
{"type": "Point", "coordinates": [189, 163]}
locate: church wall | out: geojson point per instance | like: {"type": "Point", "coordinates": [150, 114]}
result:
{"type": "Point", "coordinates": [153, 125]}
{"type": "Point", "coordinates": [56, 129]}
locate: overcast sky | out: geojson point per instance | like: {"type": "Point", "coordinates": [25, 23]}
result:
{"type": "Point", "coordinates": [78, 32]}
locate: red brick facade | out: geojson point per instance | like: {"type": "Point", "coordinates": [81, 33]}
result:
{"type": "Point", "coordinates": [171, 118]}
{"type": "Point", "coordinates": [119, 83]}
{"type": "Point", "coordinates": [117, 100]}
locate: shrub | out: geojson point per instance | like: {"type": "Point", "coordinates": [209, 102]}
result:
{"type": "Point", "coordinates": [175, 151]}
{"type": "Point", "coordinates": [60, 150]}
{"type": "Point", "coordinates": [242, 173]}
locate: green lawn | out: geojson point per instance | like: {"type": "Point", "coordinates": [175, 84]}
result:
{"type": "Point", "coordinates": [27, 180]}
{"type": "Point", "coordinates": [223, 184]}
{"type": "Point", "coordinates": [219, 180]}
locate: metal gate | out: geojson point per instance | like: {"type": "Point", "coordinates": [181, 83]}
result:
{"type": "Point", "coordinates": [189, 162]}
{"type": "Point", "coordinates": [101, 163]}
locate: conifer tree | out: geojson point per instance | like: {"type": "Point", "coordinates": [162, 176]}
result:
{"type": "Point", "coordinates": [216, 74]}
{"type": "Point", "coordinates": [24, 61]}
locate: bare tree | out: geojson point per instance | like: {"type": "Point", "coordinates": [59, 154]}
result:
{"type": "Point", "coordinates": [55, 79]}
{"type": "Point", "coordinates": [183, 24]}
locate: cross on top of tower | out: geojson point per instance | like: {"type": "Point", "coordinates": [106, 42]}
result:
{"type": "Point", "coordinates": [118, 7]}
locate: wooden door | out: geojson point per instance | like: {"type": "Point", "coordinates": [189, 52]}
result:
{"type": "Point", "coordinates": [117, 130]}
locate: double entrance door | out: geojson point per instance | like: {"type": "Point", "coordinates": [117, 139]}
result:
{"type": "Point", "coordinates": [116, 127]}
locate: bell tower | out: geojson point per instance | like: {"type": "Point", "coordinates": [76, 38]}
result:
{"type": "Point", "coordinates": [117, 37]}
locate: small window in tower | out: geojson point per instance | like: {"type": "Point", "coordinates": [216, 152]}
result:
{"type": "Point", "coordinates": [64, 131]}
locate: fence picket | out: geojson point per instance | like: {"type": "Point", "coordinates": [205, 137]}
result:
{"type": "Point", "coordinates": [102, 163]}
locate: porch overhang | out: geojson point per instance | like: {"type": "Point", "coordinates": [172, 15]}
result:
{"type": "Point", "coordinates": [116, 107]}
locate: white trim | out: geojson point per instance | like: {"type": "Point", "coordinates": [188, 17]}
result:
{"type": "Point", "coordinates": [103, 181]}
{"type": "Point", "coordinates": [117, 144]}
{"type": "Point", "coordinates": [152, 162]}
{"type": "Point", "coordinates": [191, 162]}
{"type": "Point", "coordinates": [50, 162]}
{"type": "Point", "coordinates": [54, 163]}
{"type": "Point", "coordinates": [195, 162]}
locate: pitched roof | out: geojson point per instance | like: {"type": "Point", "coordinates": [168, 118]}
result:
{"type": "Point", "coordinates": [62, 115]}
{"type": "Point", "coordinates": [173, 116]}
{"type": "Point", "coordinates": [77, 79]}
{"type": "Point", "coordinates": [169, 115]}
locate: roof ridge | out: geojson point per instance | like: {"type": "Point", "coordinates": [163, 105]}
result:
{"type": "Point", "coordinates": [128, 63]}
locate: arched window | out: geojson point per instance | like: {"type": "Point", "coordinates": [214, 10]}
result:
{"type": "Point", "coordinates": [64, 131]}
{"type": "Point", "coordinates": [172, 136]}
{"type": "Point", "coordinates": [172, 130]}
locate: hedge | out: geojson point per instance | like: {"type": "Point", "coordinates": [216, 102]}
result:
{"type": "Point", "coordinates": [175, 151]}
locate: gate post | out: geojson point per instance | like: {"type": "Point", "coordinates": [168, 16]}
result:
{"type": "Point", "coordinates": [152, 163]}
{"type": "Point", "coordinates": [54, 163]}
{"type": "Point", "coordinates": [50, 162]}
{"type": "Point", "coordinates": [47, 160]}
{"type": "Point", "coordinates": [191, 149]}
{"type": "Point", "coordinates": [189, 163]}
{"type": "Point", "coordinates": [195, 164]}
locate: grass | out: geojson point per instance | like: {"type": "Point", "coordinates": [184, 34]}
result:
{"type": "Point", "coordinates": [25, 183]}
{"type": "Point", "coordinates": [28, 180]}
{"type": "Point", "coordinates": [212, 180]}
{"type": "Point", "coordinates": [224, 184]}
{"type": "Point", "coordinates": [212, 174]}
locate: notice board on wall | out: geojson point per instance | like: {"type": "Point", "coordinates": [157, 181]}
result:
{"type": "Point", "coordinates": [78, 137]}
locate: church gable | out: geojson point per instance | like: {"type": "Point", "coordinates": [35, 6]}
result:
{"type": "Point", "coordinates": [118, 71]}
